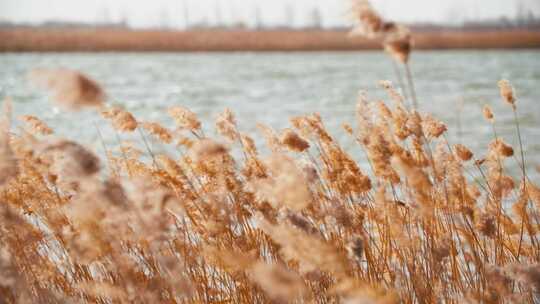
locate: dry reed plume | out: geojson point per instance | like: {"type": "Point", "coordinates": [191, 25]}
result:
{"type": "Point", "coordinates": [71, 90]}
{"type": "Point", "coordinates": [429, 223]}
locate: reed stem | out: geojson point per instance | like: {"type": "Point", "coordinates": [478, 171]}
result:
{"type": "Point", "coordinates": [399, 78]}
{"type": "Point", "coordinates": [411, 86]}
{"type": "Point", "coordinates": [147, 146]}
{"type": "Point", "coordinates": [522, 154]}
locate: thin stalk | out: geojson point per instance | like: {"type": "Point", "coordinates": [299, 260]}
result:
{"type": "Point", "coordinates": [128, 167]}
{"type": "Point", "coordinates": [522, 154]}
{"type": "Point", "coordinates": [497, 200]}
{"type": "Point", "coordinates": [102, 141]}
{"type": "Point", "coordinates": [411, 86]}
{"type": "Point", "coordinates": [154, 163]}
{"type": "Point", "coordinates": [400, 80]}
{"type": "Point", "coordinates": [100, 138]}
{"type": "Point", "coordinates": [524, 176]}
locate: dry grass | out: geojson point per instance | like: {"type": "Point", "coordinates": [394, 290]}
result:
{"type": "Point", "coordinates": [19, 40]}
{"type": "Point", "coordinates": [428, 223]}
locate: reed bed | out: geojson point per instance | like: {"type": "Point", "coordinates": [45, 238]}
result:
{"type": "Point", "coordinates": [217, 221]}
{"type": "Point", "coordinates": [430, 222]}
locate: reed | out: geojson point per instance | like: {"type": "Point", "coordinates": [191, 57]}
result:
{"type": "Point", "coordinates": [396, 40]}
{"type": "Point", "coordinates": [302, 224]}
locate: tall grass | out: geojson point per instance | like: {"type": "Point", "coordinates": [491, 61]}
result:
{"type": "Point", "coordinates": [430, 222]}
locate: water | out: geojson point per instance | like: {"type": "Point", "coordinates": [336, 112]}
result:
{"type": "Point", "coordinates": [271, 87]}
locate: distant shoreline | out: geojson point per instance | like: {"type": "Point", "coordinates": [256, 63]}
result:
{"type": "Point", "coordinates": [110, 40]}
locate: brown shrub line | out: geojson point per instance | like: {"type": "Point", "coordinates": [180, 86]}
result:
{"type": "Point", "coordinates": [85, 40]}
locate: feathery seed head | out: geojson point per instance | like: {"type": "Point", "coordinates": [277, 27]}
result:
{"type": "Point", "coordinates": [507, 92]}
{"type": "Point", "coordinates": [37, 126]}
{"type": "Point", "coordinates": [72, 90]}
{"type": "Point", "coordinates": [500, 148]}
{"type": "Point", "coordinates": [463, 152]}
{"type": "Point", "coordinates": [70, 161]}
{"type": "Point", "coordinates": [278, 282]}
{"type": "Point", "coordinates": [206, 149]}
{"type": "Point", "coordinates": [293, 141]}
{"type": "Point", "coordinates": [488, 114]}
{"type": "Point", "coordinates": [122, 120]}
{"type": "Point", "coordinates": [399, 44]}
{"type": "Point", "coordinates": [367, 20]}
{"type": "Point", "coordinates": [486, 225]}
{"type": "Point", "coordinates": [184, 118]}
{"type": "Point", "coordinates": [226, 125]}
{"type": "Point", "coordinates": [433, 127]}
{"type": "Point", "coordinates": [158, 131]}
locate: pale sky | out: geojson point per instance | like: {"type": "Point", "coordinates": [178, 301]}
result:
{"type": "Point", "coordinates": [142, 13]}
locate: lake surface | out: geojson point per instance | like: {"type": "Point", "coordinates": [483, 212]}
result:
{"type": "Point", "coordinates": [271, 87]}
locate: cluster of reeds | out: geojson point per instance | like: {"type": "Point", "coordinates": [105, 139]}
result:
{"type": "Point", "coordinates": [430, 222]}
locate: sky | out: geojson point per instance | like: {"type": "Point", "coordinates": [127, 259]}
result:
{"type": "Point", "coordinates": [145, 13]}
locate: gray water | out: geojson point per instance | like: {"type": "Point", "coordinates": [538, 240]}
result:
{"type": "Point", "coordinates": [271, 87]}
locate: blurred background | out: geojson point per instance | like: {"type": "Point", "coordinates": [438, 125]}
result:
{"type": "Point", "coordinates": [270, 60]}
{"type": "Point", "coordinates": [260, 14]}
